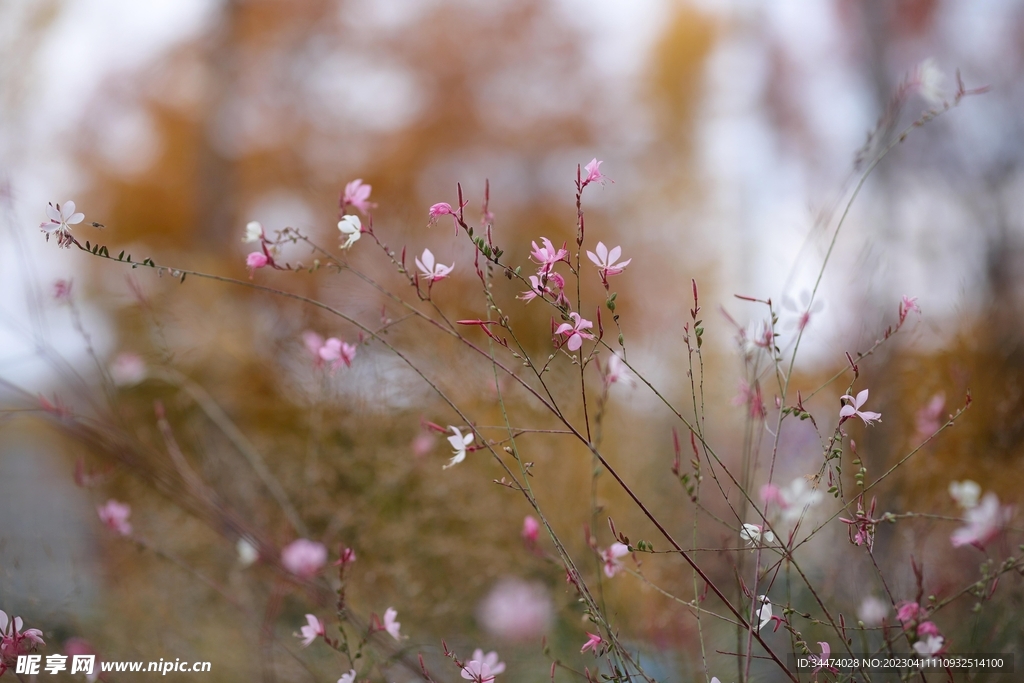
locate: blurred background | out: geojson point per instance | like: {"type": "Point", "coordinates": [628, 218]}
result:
{"type": "Point", "coordinates": [730, 129]}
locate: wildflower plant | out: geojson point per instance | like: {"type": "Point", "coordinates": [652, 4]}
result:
{"type": "Point", "coordinates": [768, 599]}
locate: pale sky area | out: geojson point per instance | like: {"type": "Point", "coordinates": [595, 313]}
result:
{"type": "Point", "coordinates": [764, 195]}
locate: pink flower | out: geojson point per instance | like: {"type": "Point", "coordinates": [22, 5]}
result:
{"type": "Point", "coordinates": [537, 288]}
{"type": "Point", "coordinates": [423, 444]}
{"type": "Point", "coordinates": [311, 631]}
{"type": "Point", "coordinates": [531, 529]}
{"type": "Point", "coordinates": [115, 516]}
{"type": "Point", "coordinates": [908, 304]}
{"type": "Point", "coordinates": [907, 611]}
{"type": "Point", "coordinates": [616, 371]}
{"type": "Point", "coordinates": [483, 668]}
{"type": "Point", "coordinates": [593, 640]}
{"type": "Point", "coordinates": [576, 331]}
{"type": "Point", "coordinates": [337, 353]}
{"type": "Point", "coordinates": [752, 398]}
{"type": "Point", "coordinates": [612, 563]}
{"type": "Point", "coordinates": [357, 194]}
{"type": "Point", "coordinates": [594, 174]}
{"type": "Point", "coordinates": [346, 557]}
{"type": "Point", "coordinates": [848, 411]}
{"type": "Point", "coordinates": [770, 493]}
{"type": "Point", "coordinates": [430, 270]}
{"type": "Point", "coordinates": [804, 310]}
{"type": "Point", "coordinates": [59, 222]}
{"type": "Point", "coordinates": [547, 256]}
{"type": "Point", "coordinates": [15, 641]}
{"type": "Point", "coordinates": [313, 343]}
{"type": "Point", "coordinates": [443, 209]}
{"type": "Point", "coordinates": [304, 558]}
{"type": "Point", "coordinates": [390, 625]}
{"type": "Point", "coordinates": [516, 610]}
{"type": "Point", "coordinates": [928, 418]}
{"type": "Point", "coordinates": [606, 260]}
{"type": "Point", "coordinates": [821, 661]}
{"type": "Point", "coordinates": [984, 522]}
{"type": "Point", "coordinates": [256, 260]}
{"type": "Point", "coordinates": [62, 290]}
{"type": "Point", "coordinates": [127, 370]}
{"type": "Point", "coordinates": [928, 628]}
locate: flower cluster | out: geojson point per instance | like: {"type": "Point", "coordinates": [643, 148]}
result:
{"type": "Point", "coordinates": [331, 351]}
{"type": "Point", "coordinates": [16, 640]}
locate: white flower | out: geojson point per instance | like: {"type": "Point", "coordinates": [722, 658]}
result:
{"type": "Point", "coordinates": [61, 218]}
{"type": "Point", "coordinates": [797, 498]}
{"type": "Point", "coordinates": [753, 535]}
{"type": "Point", "coordinates": [459, 443]}
{"type": "Point", "coordinates": [930, 80]}
{"type": "Point", "coordinates": [926, 648]}
{"type": "Point", "coordinates": [872, 611]}
{"type": "Point", "coordinates": [432, 271]}
{"type": "Point", "coordinates": [351, 227]}
{"type": "Point", "coordinates": [764, 612]}
{"type": "Point", "coordinates": [965, 493]}
{"type": "Point", "coordinates": [984, 522]}
{"type": "Point", "coordinates": [253, 232]}
{"type": "Point", "coordinates": [247, 552]}
{"type": "Point", "coordinates": [127, 370]}
{"type": "Point", "coordinates": [390, 625]}
{"type": "Point", "coordinates": [350, 677]}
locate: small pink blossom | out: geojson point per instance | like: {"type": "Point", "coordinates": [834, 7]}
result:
{"type": "Point", "coordinates": [483, 668]}
{"type": "Point", "coordinates": [576, 331]}
{"type": "Point", "coordinates": [423, 444]}
{"type": "Point", "coordinates": [752, 398]}
{"type": "Point", "coordinates": [821, 661]}
{"type": "Point", "coordinates": [516, 610]}
{"type": "Point", "coordinates": [115, 516]}
{"type": "Point", "coordinates": [984, 522]}
{"type": "Point", "coordinates": [432, 271]}
{"type": "Point", "coordinates": [908, 304]}
{"type": "Point", "coordinates": [443, 209]}
{"type": "Point", "coordinates": [304, 558]}
{"type": "Point", "coordinates": [594, 174]}
{"type": "Point", "coordinates": [547, 256]}
{"type": "Point", "coordinates": [357, 194]}
{"type": "Point", "coordinates": [313, 629]}
{"type": "Point", "coordinates": [616, 371]}
{"type": "Point", "coordinates": [15, 640]}
{"type": "Point", "coordinates": [531, 530]}
{"type": "Point", "coordinates": [60, 218]}
{"type": "Point", "coordinates": [313, 343]}
{"type": "Point", "coordinates": [62, 290]}
{"type": "Point", "coordinates": [928, 628]}
{"type": "Point", "coordinates": [127, 370]}
{"type": "Point", "coordinates": [346, 557]}
{"type": "Point", "coordinates": [390, 625]}
{"type": "Point", "coordinates": [612, 563]}
{"type": "Point", "coordinates": [928, 419]}
{"type": "Point", "coordinates": [907, 611]}
{"type": "Point", "coordinates": [337, 353]}
{"type": "Point", "coordinates": [853, 409]}
{"type": "Point", "coordinates": [593, 640]}
{"type": "Point", "coordinates": [256, 260]}
{"type": "Point", "coordinates": [537, 289]}
{"type": "Point", "coordinates": [607, 260]}
{"type": "Point", "coordinates": [770, 493]}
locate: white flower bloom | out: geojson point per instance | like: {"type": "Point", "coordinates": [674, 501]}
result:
{"type": "Point", "coordinates": [253, 232]}
{"type": "Point", "coordinates": [930, 80]}
{"type": "Point", "coordinates": [966, 493]}
{"type": "Point", "coordinates": [350, 677]}
{"type": "Point", "coordinates": [459, 443]}
{"type": "Point", "coordinates": [798, 497]}
{"type": "Point", "coordinates": [764, 612]}
{"type": "Point", "coordinates": [247, 552]}
{"type": "Point", "coordinates": [432, 271]}
{"type": "Point", "coordinates": [60, 219]}
{"type": "Point", "coordinates": [754, 534]}
{"type": "Point", "coordinates": [872, 611]}
{"type": "Point", "coordinates": [930, 646]}
{"type": "Point", "coordinates": [351, 227]}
